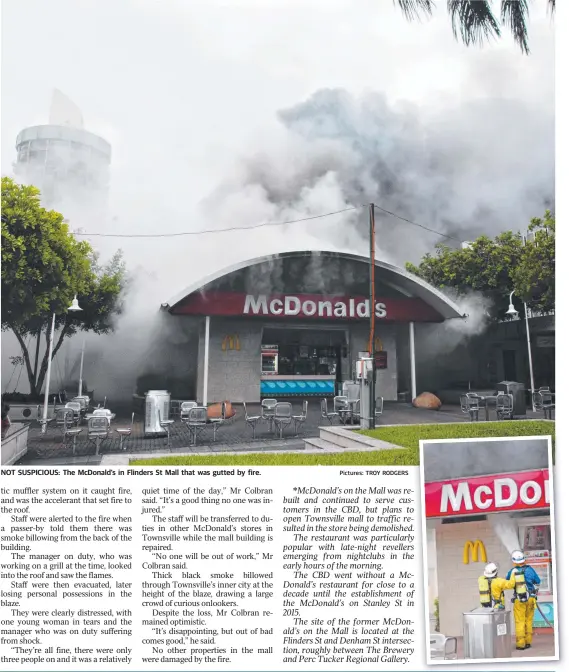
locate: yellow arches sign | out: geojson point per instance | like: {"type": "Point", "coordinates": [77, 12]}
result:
{"type": "Point", "coordinates": [474, 550]}
{"type": "Point", "coordinates": [231, 342]}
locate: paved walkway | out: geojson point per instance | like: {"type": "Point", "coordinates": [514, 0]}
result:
{"type": "Point", "coordinates": [234, 436]}
{"type": "Point", "coordinates": [543, 646]}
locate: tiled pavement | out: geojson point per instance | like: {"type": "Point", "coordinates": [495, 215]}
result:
{"type": "Point", "coordinates": [233, 436]}
{"type": "Point", "coordinates": [543, 646]}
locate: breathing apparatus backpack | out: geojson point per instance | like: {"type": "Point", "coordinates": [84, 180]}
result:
{"type": "Point", "coordinates": [521, 589]}
{"type": "Point", "coordinates": [485, 590]}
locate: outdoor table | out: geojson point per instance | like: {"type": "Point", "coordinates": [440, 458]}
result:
{"type": "Point", "coordinates": [487, 402]}
{"type": "Point", "coordinates": [268, 415]}
{"type": "Point", "coordinates": [352, 403]}
{"type": "Point", "coordinates": [110, 417]}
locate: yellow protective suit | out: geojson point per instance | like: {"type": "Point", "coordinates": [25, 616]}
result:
{"type": "Point", "coordinates": [498, 586]}
{"type": "Point", "coordinates": [523, 617]}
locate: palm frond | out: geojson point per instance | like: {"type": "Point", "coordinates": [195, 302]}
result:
{"type": "Point", "coordinates": [515, 16]}
{"type": "Point", "coordinates": [414, 9]}
{"type": "Point", "coordinates": [473, 21]}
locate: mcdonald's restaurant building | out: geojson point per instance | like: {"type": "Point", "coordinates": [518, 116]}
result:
{"type": "Point", "coordinates": [294, 325]}
{"type": "Point", "coordinates": [475, 511]}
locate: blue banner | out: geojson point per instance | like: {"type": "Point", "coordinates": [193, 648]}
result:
{"type": "Point", "coordinates": [297, 388]}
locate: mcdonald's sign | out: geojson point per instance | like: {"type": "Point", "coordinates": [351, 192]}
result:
{"type": "Point", "coordinates": [475, 551]}
{"type": "Point", "coordinates": [231, 342]}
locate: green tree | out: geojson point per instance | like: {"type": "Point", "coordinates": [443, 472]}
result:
{"type": "Point", "coordinates": [534, 277]}
{"type": "Point", "coordinates": [496, 267]}
{"type": "Point", "coordinates": [43, 268]}
{"type": "Point", "coordinates": [475, 21]}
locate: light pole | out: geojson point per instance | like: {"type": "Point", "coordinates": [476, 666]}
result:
{"type": "Point", "coordinates": [81, 369]}
{"type": "Point", "coordinates": [514, 313]}
{"type": "Point", "coordinates": [74, 307]}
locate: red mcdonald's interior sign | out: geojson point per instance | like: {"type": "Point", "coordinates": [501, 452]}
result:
{"type": "Point", "coordinates": [484, 494]}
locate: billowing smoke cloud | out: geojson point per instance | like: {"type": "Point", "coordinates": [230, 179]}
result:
{"type": "Point", "coordinates": [482, 167]}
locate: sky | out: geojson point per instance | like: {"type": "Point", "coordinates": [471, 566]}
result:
{"type": "Point", "coordinates": [233, 113]}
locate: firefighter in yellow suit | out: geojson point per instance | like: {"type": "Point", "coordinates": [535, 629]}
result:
{"type": "Point", "coordinates": [525, 598]}
{"type": "Point", "coordinates": [491, 587]}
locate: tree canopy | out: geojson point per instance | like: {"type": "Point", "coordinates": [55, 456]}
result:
{"type": "Point", "coordinates": [43, 268]}
{"type": "Point", "coordinates": [476, 22]}
{"type": "Point", "coordinates": [496, 267]}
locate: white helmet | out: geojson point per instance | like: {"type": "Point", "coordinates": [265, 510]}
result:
{"type": "Point", "coordinates": [491, 570]}
{"type": "Point", "coordinates": [518, 557]}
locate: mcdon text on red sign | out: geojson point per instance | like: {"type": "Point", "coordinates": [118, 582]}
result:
{"type": "Point", "coordinates": [485, 494]}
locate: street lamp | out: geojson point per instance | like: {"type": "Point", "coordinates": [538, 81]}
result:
{"type": "Point", "coordinates": [74, 307]}
{"type": "Point", "coordinates": [512, 312]}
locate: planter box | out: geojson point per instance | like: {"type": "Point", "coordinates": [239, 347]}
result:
{"type": "Point", "coordinates": [14, 443]}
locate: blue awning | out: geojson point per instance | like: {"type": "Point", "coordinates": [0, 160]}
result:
{"type": "Point", "coordinates": [292, 388]}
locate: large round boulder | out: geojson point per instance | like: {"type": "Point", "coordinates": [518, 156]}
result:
{"type": "Point", "coordinates": [214, 411]}
{"type": "Point", "coordinates": [427, 400]}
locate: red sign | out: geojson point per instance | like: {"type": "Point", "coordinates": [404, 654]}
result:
{"type": "Point", "coordinates": [381, 360]}
{"type": "Point", "coordinates": [314, 306]}
{"type": "Point", "coordinates": [485, 494]}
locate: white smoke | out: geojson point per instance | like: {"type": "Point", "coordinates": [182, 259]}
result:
{"type": "Point", "coordinates": [506, 530]}
{"type": "Point", "coordinates": [477, 159]}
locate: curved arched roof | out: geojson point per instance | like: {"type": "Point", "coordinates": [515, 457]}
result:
{"type": "Point", "coordinates": [405, 282]}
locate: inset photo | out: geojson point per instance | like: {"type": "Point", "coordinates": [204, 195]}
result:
{"type": "Point", "coordinates": [489, 550]}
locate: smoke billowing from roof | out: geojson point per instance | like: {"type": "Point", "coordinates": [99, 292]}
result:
{"type": "Point", "coordinates": [478, 159]}
{"type": "Point", "coordinates": [478, 168]}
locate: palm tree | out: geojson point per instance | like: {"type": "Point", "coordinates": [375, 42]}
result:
{"type": "Point", "coordinates": [475, 21]}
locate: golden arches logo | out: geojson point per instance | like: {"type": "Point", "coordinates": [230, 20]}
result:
{"type": "Point", "coordinates": [474, 550]}
{"type": "Point", "coordinates": [231, 342]}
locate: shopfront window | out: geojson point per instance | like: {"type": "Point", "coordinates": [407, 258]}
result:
{"type": "Point", "coordinates": [535, 537]}
{"type": "Point", "coordinates": [305, 352]}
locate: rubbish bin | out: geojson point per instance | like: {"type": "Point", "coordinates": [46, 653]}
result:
{"type": "Point", "coordinates": [157, 408]}
{"type": "Point", "coordinates": [487, 633]}
{"type": "Point", "coordinates": [518, 392]}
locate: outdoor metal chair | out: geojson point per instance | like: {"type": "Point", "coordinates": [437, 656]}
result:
{"type": "Point", "coordinates": [166, 424]}
{"type": "Point", "coordinates": [505, 406]}
{"type": "Point", "coordinates": [83, 402]}
{"type": "Point", "coordinates": [327, 415]}
{"type": "Point", "coordinates": [299, 420]}
{"type": "Point", "coordinates": [102, 412]}
{"type": "Point", "coordinates": [185, 409]}
{"type": "Point", "coordinates": [283, 416]}
{"type": "Point", "coordinates": [124, 432]}
{"type": "Point", "coordinates": [547, 403]}
{"type": "Point", "coordinates": [64, 417]}
{"type": "Point", "coordinates": [443, 647]}
{"type": "Point", "coordinates": [356, 411]}
{"type": "Point", "coordinates": [470, 406]}
{"type": "Point", "coordinates": [196, 422]}
{"type": "Point", "coordinates": [75, 406]}
{"type": "Point", "coordinates": [98, 428]}
{"type": "Point", "coordinates": [65, 422]}
{"type": "Point", "coordinates": [268, 411]}
{"type": "Point", "coordinates": [378, 407]}
{"type": "Point", "coordinates": [342, 408]}
{"type": "Point", "coordinates": [251, 420]}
